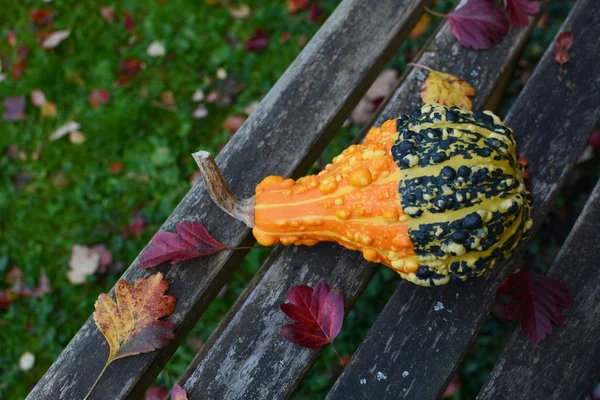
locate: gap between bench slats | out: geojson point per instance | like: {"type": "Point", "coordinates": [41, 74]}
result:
{"type": "Point", "coordinates": [553, 119]}
{"type": "Point", "coordinates": [250, 359]}
{"type": "Point", "coordinates": [565, 365]}
{"type": "Point", "coordinates": [283, 136]}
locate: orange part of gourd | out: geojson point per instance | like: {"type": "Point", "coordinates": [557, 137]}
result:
{"type": "Point", "coordinates": [354, 202]}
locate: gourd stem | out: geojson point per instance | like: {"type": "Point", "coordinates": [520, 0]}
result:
{"type": "Point", "coordinates": [242, 209]}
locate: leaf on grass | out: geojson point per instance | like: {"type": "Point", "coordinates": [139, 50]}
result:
{"type": "Point", "coordinates": [48, 109]}
{"type": "Point", "coordinates": [64, 130]}
{"type": "Point", "coordinates": [108, 13]}
{"type": "Point", "coordinates": [131, 324]}
{"type": "Point", "coordinates": [446, 89]}
{"type": "Point", "coordinates": [318, 313]}
{"type": "Point", "coordinates": [258, 42]}
{"type": "Point", "coordinates": [240, 12]}
{"type": "Point", "coordinates": [41, 17]}
{"type": "Point", "coordinates": [178, 393]}
{"type": "Point", "coordinates": [129, 69]}
{"type": "Point", "coordinates": [55, 38]}
{"type": "Point", "coordinates": [316, 14]}
{"type": "Point", "coordinates": [14, 108]}
{"type": "Point", "coordinates": [38, 98]}
{"type": "Point", "coordinates": [191, 240]}
{"type": "Point", "coordinates": [518, 11]}
{"type": "Point", "coordinates": [477, 24]}
{"type": "Point", "coordinates": [535, 298]}
{"type": "Point", "coordinates": [294, 6]}
{"type": "Point", "coordinates": [233, 123]}
{"type": "Point", "coordinates": [99, 97]}
{"type": "Point", "coordinates": [156, 49]}
{"type": "Point", "coordinates": [128, 22]}
{"type": "Point", "coordinates": [564, 41]}
{"type": "Point", "coordinates": [17, 68]}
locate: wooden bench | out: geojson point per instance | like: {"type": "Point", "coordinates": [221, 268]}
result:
{"type": "Point", "coordinates": [245, 358]}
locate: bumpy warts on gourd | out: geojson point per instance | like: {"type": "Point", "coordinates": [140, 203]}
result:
{"type": "Point", "coordinates": [435, 195]}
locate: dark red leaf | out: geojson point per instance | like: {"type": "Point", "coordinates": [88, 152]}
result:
{"type": "Point", "coordinates": [535, 298]}
{"type": "Point", "coordinates": [135, 228]}
{"type": "Point", "coordinates": [41, 17]}
{"type": "Point", "coordinates": [14, 108]}
{"type": "Point", "coordinates": [518, 11]}
{"type": "Point", "coordinates": [156, 392]}
{"type": "Point", "coordinates": [191, 240]}
{"type": "Point", "coordinates": [115, 167]}
{"type": "Point", "coordinates": [478, 24]}
{"type": "Point", "coordinates": [5, 300]}
{"type": "Point", "coordinates": [258, 42]}
{"type": "Point", "coordinates": [316, 14]}
{"type": "Point", "coordinates": [564, 41]}
{"type": "Point", "coordinates": [99, 97]}
{"type": "Point", "coordinates": [128, 70]}
{"type": "Point", "coordinates": [595, 141]}
{"type": "Point", "coordinates": [129, 23]}
{"type": "Point", "coordinates": [319, 314]}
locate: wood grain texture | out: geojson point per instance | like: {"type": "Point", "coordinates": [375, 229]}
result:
{"type": "Point", "coordinates": [565, 365]}
{"type": "Point", "coordinates": [418, 348]}
{"type": "Point", "coordinates": [283, 136]}
{"type": "Point", "coordinates": [265, 366]}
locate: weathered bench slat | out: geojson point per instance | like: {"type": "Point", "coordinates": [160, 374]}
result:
{"type": "Point", "coordinates": [283, 136]}
{"type": "Point", "coordinates": [553, 119]}
{"type": "Point", "coordinates": [249, 358]}
{"type": "Point", "coordinates": [565, 365]}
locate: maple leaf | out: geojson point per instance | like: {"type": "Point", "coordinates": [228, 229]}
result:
{"type": "Point", "coordinates": [131, 324]}
{"type": "Point", "coordinates": [14, 108]}
{"type": "Point", "coordinates": [477, 24]}
{"type": "Point", "coordinates": [191, 240]}
{"type": "Point", "coordinates": [319, 314]}
{"type": "Point", "coordinates": [446, 89]}
{"type": "Point", "coordinates": [518, 11]}
{"type": "Point", "coordinates": [564, 41]}
{"type": "Point", "coordinates": [535, 298]}
{"type": "Point", "coordinates": [258, 42]}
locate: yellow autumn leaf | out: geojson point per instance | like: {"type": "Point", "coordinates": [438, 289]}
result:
{"type": "Point", "coordinates": [130, 325]}
{"type": "Point", "coordinates": [48, 109]}
{"type": "Point", "coordinates": [446, 89]}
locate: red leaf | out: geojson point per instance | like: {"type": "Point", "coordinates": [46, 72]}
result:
{"type": "Point", "coordinates": [128, 70]}
{"type": "Point", "coordinates": [5, 300]}
{"type": "Point", "coordinates": [316, 14]}
{"type": "Point", "coordinates": [99, 97]}
{"type": "Point", "coordinates": [177, 393]}
{"type": "Point", "coordinates": [564, 41]}
{"type": "Point", "coordinates": [535, 298]}
{"type": "Point", "coordinates": [135, 228]}
{"type": "Point", "coordinates": [518, 11]}
{"type": "Point", "coordinates": [41, 17]}
{"type": "Point", "coordinates": [129, 23]}
{"type": "Point", "coordinates": [595, 141]}
{"type": "Point", "coordinates": [11, 38]}
{"type": "Point", "coordinates": [14, 108]}
{"type": "Point", "coordinates": [296, 5]}
{"type": "Point", "coordinates": [191, 240]}
{"type": "Point", "coordinates": [156, 392]}
{"type": "Point", "coordinates": [319, 314]}
{"type": "Point", "coordinates": [258, 42]}
{"type": "Point", "coordinates": [477, 24]}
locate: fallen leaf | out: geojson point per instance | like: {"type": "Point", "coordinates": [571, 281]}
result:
{"type": "Point", "coordinates": [156, 393]}
{"type": "Point", "coordinates": [477, 24]}
{"type": "Point", "coordinates": [43, 286]}
{"type": "Point", "coordinates": [258, 42]}
{"type": "Point", "coordinates": [128, 21]}
{"type": "Point", "coordinates": [200, 112]}
{"type": "Point", "coordinates": [26, 361]}
{"type": "Point", "coordinates": [233, 123]}
{"type": "Point", "coordinates": [41, 17]}
{"type": "Point", "coordinates": [221, 74]}
{"type": "Point", "coordinates": [115, 167]}
{"type": "Point", "coordinates": [284, 37]}
{"type": "Point", "coordinates": [64, 130]}
{"type": "Point", "coordinates": [99, 97]}
{"type": "Point", "coordinates": [178, 393]}
{"type": "Point", "coordinates": [318, 313]}
{"type": "Point", "coordinates": [59, 180]}
{"type": "Point", "coordinates": [453, 387]}
{"type": "Point", "coordinates": [167, 100]}
{"type": "Point", "coordinates": [518, 11]}
{"type": "Point", "coordinates": [564, 41]}
{"type": "Point", "coordinates": [84, 262]}
{"type": "Point", "coordinates": [17, 68]}
{"type": "Point", "coordinates": [535, 298]}
{"type": "Point", "coordinates": [129, 69]}
{"type": "Point", "coordinates": [446, 89]}
{"type": "Point", "coordinates": [302, 39]}
{"type": "Point", "coordinates": [192, 240]}
{"type": "Point", "coordinates": [419, 29]}
{"type": "Point", "coordinates": [48, 109]}
{"type": "Point", "coordinates": [38, 98]}
{"type": "Point", "coordinates": [241, 12]}
{"type": "Point", "coordinates": [55, 38]}
{"type": "Point", "coordinates": [198, 95]}
{"type": "Point", "coordinates": [11, 38]}
{"type": "Point", "coordinates": [316, 14]}
{"type": "Point", "coordinates": [135, 228]}
{"type": "Point", "coordinates": [595, 141]}
{"type": "Point", "coordinates": [14, 108]}
{"type": "Point", "coordinates": [5, 300]}
{"type": "Point", "coordinates": [294, 6]}
{"type": "Point", "coordinates": [108, 13]}
{"type": "Point", "coordinates": [156, 49]}
{"type": "Point", "coordinates": [131, 324]}
{"type": "Point", "coordinates": [77, 137]}
{"type": "Point", "coordinates": [251, 107]}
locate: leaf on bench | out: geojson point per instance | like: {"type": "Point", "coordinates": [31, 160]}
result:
{"type": "Point", "coordinates": [535, 298]}
{"type": "Point", "coordinates": [518, 11]}
{"type": "Point", "coordinates": [446, 89]}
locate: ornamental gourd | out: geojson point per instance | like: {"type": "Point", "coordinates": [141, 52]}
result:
{"type": "Point", "coordinates": [434, 195]}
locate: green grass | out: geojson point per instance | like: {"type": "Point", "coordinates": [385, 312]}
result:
{"type": "Point", "coordinates": [73, 197]}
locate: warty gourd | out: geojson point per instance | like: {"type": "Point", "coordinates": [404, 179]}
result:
{"type": "Point", "coordinates": [435, 195]}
